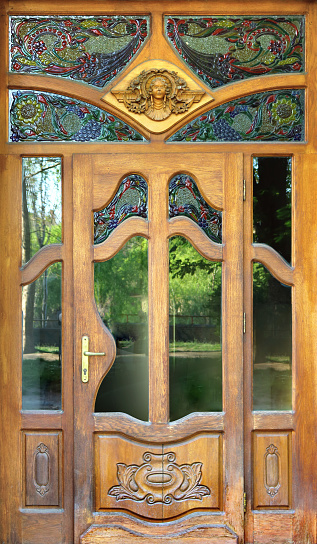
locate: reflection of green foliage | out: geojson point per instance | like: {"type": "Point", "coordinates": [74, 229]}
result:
{"type": "Point", "coordinates": [261, 279]}
{"type": "Point", "coordinates": [195, 283]}
{"type": "Point", "coordinates": [121, 283]}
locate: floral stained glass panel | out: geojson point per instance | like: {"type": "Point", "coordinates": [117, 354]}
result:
{"type": "Point", "coordinates": [130, 201]}
{"type": "Point", "coordinates": [49, 117]}
{"type": "Point", "coordinates": [88, 49]}
{"type": "Point", "coordinates": [222, 50]}
{"type": "Point", "coordinates": [271, 116]}
{"type": "Point", "coordinates": [186, 200]}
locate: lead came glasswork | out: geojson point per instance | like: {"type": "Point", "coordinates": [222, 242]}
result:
{"type": "Point", "coordinates": [129, 201]}
{"type": "Point", "coordinates": [49, 117]}
{"type": "Point", "coordinates": [270, 116]}
{"type": "Point", "coordinates": [89, 49]}
{"type": "Point", "coordinates": [186, 200]}
{"type": "Point", "coordinates": [222, 50]}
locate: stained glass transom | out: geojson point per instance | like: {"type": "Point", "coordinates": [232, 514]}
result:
{"type": "Point", "coordinates": [186, 200]}
{"type": "Point", "coordinates": [130, 201]}
{"type": "Point", "coordinates": [271, 116]}
{"type": "Point", "coordinates": [37, 116]}
{"type": "Point", "coordinates": [89, 49]}
{"type": "Point", "coordinates": [222, 50]}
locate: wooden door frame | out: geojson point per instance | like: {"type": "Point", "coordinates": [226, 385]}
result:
{"type": "Point", "coordinates": [304, 420]}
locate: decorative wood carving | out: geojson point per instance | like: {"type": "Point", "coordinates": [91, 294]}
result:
{"type": "Point", "coordinates": [41, 469]}
{"type": "Point", "coordinates": [158, 93]}
{"type": "Point", "coordinates": [159, 479]}
{"type": "Point", "coordinates": [271, 470]}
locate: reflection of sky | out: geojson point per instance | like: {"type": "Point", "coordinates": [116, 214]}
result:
{"type": "Point", "coordinates": [52, 184]}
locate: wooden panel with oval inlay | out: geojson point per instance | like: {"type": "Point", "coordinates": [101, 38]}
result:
{"type": "Point", "coordinates": [161, 480]}
{"type": "Point", "coordinates": [42, 468]}
{"type": "Point", "coordinates": [272, 470]}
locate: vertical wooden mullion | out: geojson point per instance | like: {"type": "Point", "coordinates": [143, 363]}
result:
{"type": "Point", "coordinates": [158, 301]}
{"type": "Point", "coordinates": [232, 341]}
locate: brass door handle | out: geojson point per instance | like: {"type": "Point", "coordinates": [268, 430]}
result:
{"type": "Point", "coordinates": [85, 354]}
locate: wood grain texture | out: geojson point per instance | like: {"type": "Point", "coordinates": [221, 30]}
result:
{"type": "Point", "coordinates": [121, 235]}
{"type": "Point", "coordinates": [272, 470]}
{"type": "Point", "coordinates": [40, 261]}
{"type": "Point", "coordinates": [277, 528]}
{"type": "Point", "coordinates": [280, 269]}
{"type": "Point", "coordinates": [185, 227]}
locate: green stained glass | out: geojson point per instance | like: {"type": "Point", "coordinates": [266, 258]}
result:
{"type": "Point", "coordinates": [186, 200]}
{"type": "Point", "coordinates": [37, 116]}
{"type": "Point", "coordinates": [129, 201]}
{"type": "Point", "coordinates": [270, 116]}
{"type": "Point", "coordinates": [89, 49]}
{"type": "Point", "coordinates": [222, 50]}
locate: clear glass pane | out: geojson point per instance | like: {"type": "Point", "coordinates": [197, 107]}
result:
{"type": "Point", "coordinates": [41, 204]}
{"type": "Point", "coordinates": [195, 331]}
{"type": "Point", "coordinates": [42, 341]}
{"type": "Point", "coordinates": [121, 294]}
{"type": "Point", "coordinates": [272, 203]}
{"type": "Point", "coordinates": [272, 342]}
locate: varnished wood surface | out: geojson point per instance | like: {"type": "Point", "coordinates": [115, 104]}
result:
{"type": "Point", "coordinates": [42, 259]}
{"type": "Point", "coordinates": [261, 527]}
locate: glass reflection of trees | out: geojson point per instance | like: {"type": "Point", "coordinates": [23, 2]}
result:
{"type": "Point", "coordinates": [195, 331]}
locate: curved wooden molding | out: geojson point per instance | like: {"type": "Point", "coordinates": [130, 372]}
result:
{"type": "Point", "coordinates": [183, 226]}
{"type": "Point", "coordinates": [157, 433]}
{"type": "Point", "coordinates": [120, 236]}
{"type": "Point", "coordinates": [273, 261]}
{"type": "Point", "coordinates": [40, 261]}
{"type": "Point", "coordinates": [155, 126]}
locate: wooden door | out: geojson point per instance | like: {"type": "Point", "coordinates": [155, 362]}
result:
{"type": "Point", "coordinates": [236, 471]}
{"type": "Point", "coordinates": [158, 469]}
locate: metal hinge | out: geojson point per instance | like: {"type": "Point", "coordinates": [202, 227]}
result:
{"type": "Point", "coordinates": [244, 502]}
{"type": "Point", "coordinates": [244, 322]}
{"type": "Point", "coordinates": [244, 189]}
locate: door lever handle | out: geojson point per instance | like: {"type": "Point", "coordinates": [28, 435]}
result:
{"type": "Point", "coordinates": [85, 354]}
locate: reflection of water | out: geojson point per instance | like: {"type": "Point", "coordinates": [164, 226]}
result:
{"type": "Point", "coordinates": [125, 387]}
{"type": "Point", "coordinates": [41, 388]}
{"type": "Point", "coordinates": [195, 383]}
{"type": "Point", "coordinates": [272, 386]}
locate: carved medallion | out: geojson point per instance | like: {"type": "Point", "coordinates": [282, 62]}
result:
{"type": "Point", "coordinates": [159, 480]}
{"type": "Point", "coordinates": [272, 470]}
{"type": "Point", "coordinates": [158, 93]}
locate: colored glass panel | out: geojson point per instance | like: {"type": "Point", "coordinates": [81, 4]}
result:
{"type": "Point", "coordinates": [42, 341]}
{"type": "Point", "coordinates": [270, 116]}
{"type": "Point", "coordinates": [88, 49]}
{"type": "Point", "coordinates": [41, 204]}
{"type": "Point", "coordinates": [48, 117]}
{"type": "Point", "coordinates": [195, 348]}
{"type": "Point", "coordinates": [186, 200]}
{"type": "Point", "coordinates": [222, 50]}
{"type": "Point", "coordinates": [129, 201]}
{"type": "Point", "coordinates": [272, 203]}
{"type": "Point", "coordinates": [272, 342]}
{"type": "Point", "coordinates": [121, 295]}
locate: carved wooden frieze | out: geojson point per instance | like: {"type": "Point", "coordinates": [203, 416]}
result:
{"type": "Point", "coordinates": [158, 93]}
{"type": "Point", "coordinates": [159, 480]}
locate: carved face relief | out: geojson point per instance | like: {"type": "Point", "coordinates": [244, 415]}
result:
{"type": "Point", "coordinates": [158, 94]}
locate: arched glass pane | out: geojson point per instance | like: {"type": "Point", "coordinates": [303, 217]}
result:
{"type": "Point", "coordinates": [272, 342]}
{"type": "Point", "coordinates": [49, 117]}
{"type": "Point", "coordinates": [131, 200]}
{"type": "Point", "coordinates": [195, 331]}
{"type": "Point", "coordinates": [274, 116]}
{"type": "Point", "coordinates": [272, 203]}
{"type": "Point", "coordinates": [89, 49]}
{"type": "Point", "coordinates": [186, 200]}
{"type": "Point", "coordinates": [121, 294]}
{"type": "Point", "coordinates": [224, 49]}
{"type": "Point", "coordinates": [41, 204]}
{"type": "Point", "coordinates": [42, 341]}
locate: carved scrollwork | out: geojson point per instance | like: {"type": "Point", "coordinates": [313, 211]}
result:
{"type": "Point", "coordinates": [158, 93]}
{"type": "Point", "coordinates": [41, 469]}
{"type": "Point", "coordinates": [159, 480]}
{"type": "Point", "coordinates": [272, 470]}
